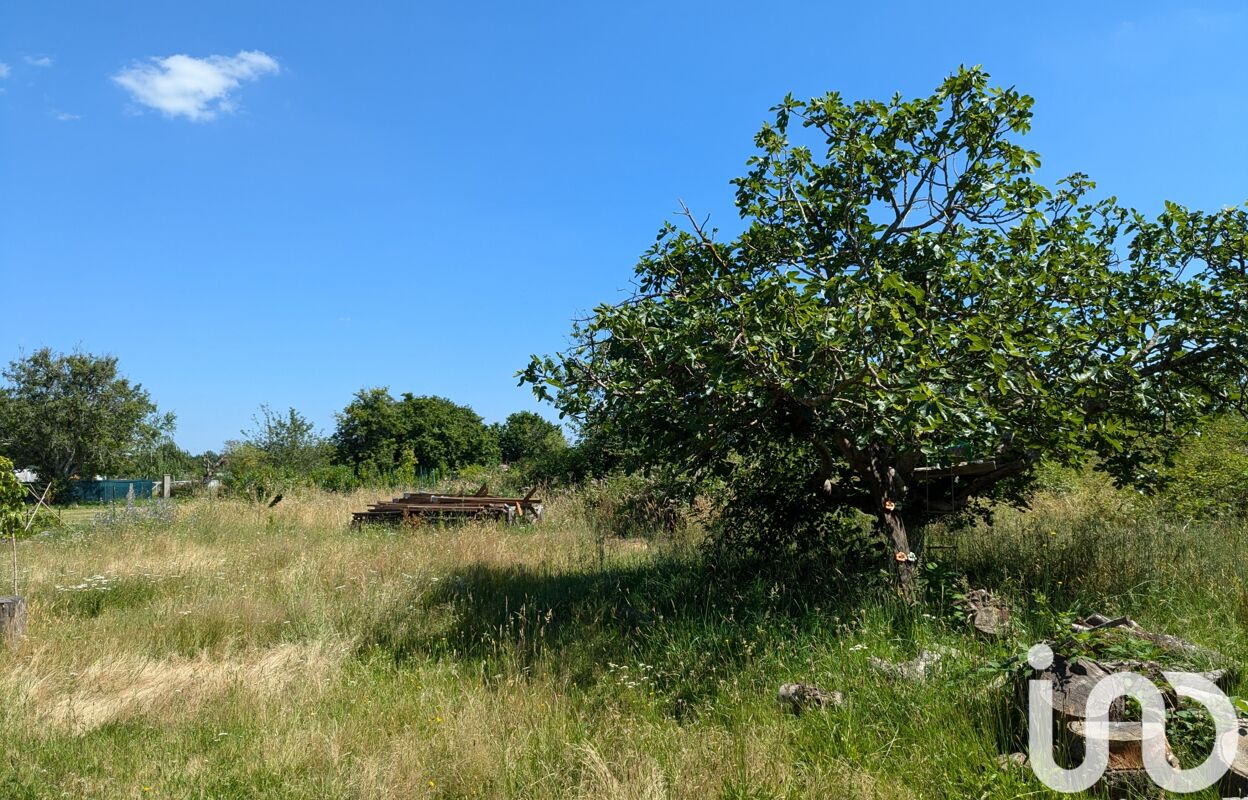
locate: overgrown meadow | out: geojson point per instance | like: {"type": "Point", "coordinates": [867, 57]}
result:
{"type": "Point", "coordinates": [228, 650]}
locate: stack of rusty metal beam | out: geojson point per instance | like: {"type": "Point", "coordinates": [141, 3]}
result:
{"type": "Point", "coordinates": [417, 507]}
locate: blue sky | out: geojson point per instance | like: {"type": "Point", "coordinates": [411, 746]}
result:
{"type": "Point", "coordinates": [327, 196]}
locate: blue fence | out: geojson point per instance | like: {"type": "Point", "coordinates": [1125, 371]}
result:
{"type": "Point", "coordinates": [111, 490]}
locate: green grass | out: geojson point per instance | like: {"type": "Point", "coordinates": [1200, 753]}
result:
{"type": "Point", "coordinates": [241, 652]}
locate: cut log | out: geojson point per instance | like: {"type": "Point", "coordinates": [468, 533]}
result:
{"type": "Point", "coordinates": [1073, 681]}
{"type": "Point", "coordinates": [1126, 743]}
{"type": "Point", "coordinates": [1235, 782]}
{"type": "Point", "coordinates": [12, 618]}
{"type": "Point", "coordinates": [1165, 641]}
{"type": "Point", "coordinates": [1126, 775]}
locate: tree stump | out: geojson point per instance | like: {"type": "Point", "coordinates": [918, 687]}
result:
{"type": "Point", "coordinates": [1126, 776]}
{"type": "Point", "coordinates": [1235, 782]}
{"type": "Point", "coordinates": [1073, 681]}
{"type": "Point", "coordinates": [12, 618]}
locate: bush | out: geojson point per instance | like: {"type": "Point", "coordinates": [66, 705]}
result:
{"type": "Point", "coordinates": [636, 505]}
{"type": "Point", "coordinates": [335, 478]}
{"type": "Point", "coordinates": [1209, 477]}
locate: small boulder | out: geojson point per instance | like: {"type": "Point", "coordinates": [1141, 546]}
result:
{"type": "Point", "coordinates": [798, 697]}
{"type": "Point", "coordinates": [916, 669]}
{"type": "Point", "coordinates": [987, 613]}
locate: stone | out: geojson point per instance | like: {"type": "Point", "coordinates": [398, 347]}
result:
{"type": "Point", "coordinates": [798, 697]}
{"type": "Point", "coordinates": [916, 669]}
{"type": "Point", "coordinates": [1010, 761]}
{"type": "Point", "coordinates": [987, 614]}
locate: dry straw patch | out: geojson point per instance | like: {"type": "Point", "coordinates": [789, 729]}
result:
{"type": "Point", "coordinates": [122, 686]}
{"type": "Point", "coordinates": [640, 778]}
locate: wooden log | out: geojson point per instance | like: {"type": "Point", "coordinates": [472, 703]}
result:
{"type": "Point", "coordinates": [1235, 782]}
{"type": "Point", "coordinates": [12, 618]}
{"type": "Point", "coordinates": [1126, 775]}
{"type": "Point", "coordinates": [1073, 681]}
{"type": "Point", "coordinates": [1126, 743]}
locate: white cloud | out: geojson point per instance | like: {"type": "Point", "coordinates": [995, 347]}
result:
{"type": "Point", "coordinates": [4, 70]}
{"type": "Point", "coordinates": [65, 116]}
{"type": "Point", "coordinates": [38, 61]}
{"type": "Point", "coordinates": [196, 88]}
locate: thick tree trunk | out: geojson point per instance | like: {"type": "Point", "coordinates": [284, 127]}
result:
{"type": "Point", "coordinates": [889, 494]}
{"type": "Point", "coordinates": [880, 469]}
{"type": "Point", "coordinates": [893, 526]}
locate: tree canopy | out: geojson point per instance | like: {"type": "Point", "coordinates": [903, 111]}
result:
{"type": "Point", "coordinates": [280, 450]}
{"type": "Point", "coordinates": [66, 415]}
{"type": "Point", "coordinates": [904, 295]}
{"type": "Point", "coordinates": [526, 436]}
{"type": "Point", "coordinates": [376, 432]}
{"type": "Point", "coordinates": [288, 441]}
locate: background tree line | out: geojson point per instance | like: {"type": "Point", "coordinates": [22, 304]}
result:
{"type": "Point", "coordinates": [75, 416]}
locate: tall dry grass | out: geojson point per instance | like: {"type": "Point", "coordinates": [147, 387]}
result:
{"type": "Point", "coordinates": [241, 651]}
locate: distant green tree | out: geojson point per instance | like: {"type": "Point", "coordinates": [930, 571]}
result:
{"type": "Point", "coordinates": [68, 415]}
{"type": "Point", "coordinates": [280, 450]}
{"type": "Point", "coordinates": [12, 498]}
{"type": "Point", "coordinates": [289, 441]}
{"type": "Point", "coordinates": [369, 433]}
{"type": "Point", "coordinates": [375, 431]}
{"type": "Point", "coordinates": [526, 436]}
{"type": "Point", "coordinates": [163, 457]}
{"type": "Point", "coordinates": [905, 296]}
{"type": "Point", "coordinates": [1209, 474]}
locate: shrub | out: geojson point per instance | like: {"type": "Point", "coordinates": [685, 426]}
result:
{"type": "Point", "coordinates": [636, 505]}
{"type": "Point", "coordinates": [335, 478]}
{"type": "Point", "coordinates": [1209, 477]}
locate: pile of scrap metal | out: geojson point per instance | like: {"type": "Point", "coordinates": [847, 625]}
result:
{"type": "Point", "coordinates": [416, 507]}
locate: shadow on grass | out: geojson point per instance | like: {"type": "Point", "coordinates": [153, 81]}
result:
{"type": "Point", "coordinates": [669, 610]}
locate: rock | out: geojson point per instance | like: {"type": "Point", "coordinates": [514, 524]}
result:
{"type": "Point", "coordinates": [986, 613]}
{"type": "Point", "coordinates": [916, 669]}
{"type": "Point", "coordinates": [1009, 761]}
{"type": "Point", "coordinates": [800, 696]}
